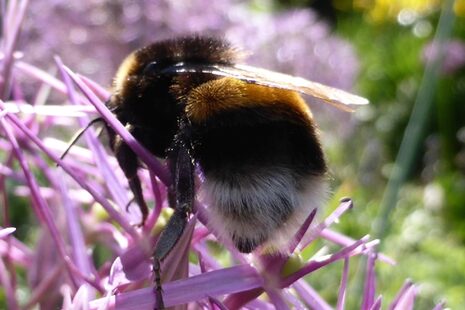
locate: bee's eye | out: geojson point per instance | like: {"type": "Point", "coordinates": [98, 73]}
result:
{"type": "Point", "coordinates": [153, 68]}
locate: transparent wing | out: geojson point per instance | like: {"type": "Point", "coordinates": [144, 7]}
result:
{"type": "Point", "coordinates": [336, 97]}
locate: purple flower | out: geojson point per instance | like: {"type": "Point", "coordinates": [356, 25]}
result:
{"type": "Point", "coordinates": [96, 35]}
{"type": "Point", "coordinates": [452, 55]}
{"type": "Point", "coordinates": [296, 42]}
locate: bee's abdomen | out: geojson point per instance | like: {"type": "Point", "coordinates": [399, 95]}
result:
{"type": "Point", "coordinates": [259, 164]}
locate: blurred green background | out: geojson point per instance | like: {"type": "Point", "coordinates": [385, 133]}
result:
{"type": "Point", "coordinates": [405, 166]}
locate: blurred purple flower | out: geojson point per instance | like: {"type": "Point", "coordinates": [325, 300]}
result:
{"type": "Point", "coordinates": [296, 42]}
{"type": "Point", "coordinates": [97, 35]}
{"type": "Point", "coordinates": [452, 53]}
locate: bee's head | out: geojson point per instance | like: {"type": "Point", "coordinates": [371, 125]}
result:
{"type": "Point", "coordinates": [149, 77]}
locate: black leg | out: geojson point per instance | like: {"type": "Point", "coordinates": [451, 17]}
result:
{"type": "Point", "coordinates": [157, 289]}
{"type": "Point", "coordinates": [128, 162]}
{"type": "Point", "coordinates": [183, 197]}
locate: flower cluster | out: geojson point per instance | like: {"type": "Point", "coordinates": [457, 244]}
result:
{"type": "Point", "coordinates": [97, 35]}
{"type": "Point", "coordinates": [80, 204]}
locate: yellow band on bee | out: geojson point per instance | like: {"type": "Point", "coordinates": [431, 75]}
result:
{"type": "Point", "coordinates": [124, 71]}
{"type": "Point", "coordinates": [228, 93]}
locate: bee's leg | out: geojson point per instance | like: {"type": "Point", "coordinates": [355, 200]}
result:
{"type": "Point", "coordinates": [183, 198]}
{"type": "Point", "coordinates": [128, 162]}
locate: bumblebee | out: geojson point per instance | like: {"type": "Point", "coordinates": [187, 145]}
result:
{"type": "Point", "coordinates": [248, 129]}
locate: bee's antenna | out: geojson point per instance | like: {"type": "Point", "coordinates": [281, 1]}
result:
{"type": "Point", "coordinates": [78, 135]}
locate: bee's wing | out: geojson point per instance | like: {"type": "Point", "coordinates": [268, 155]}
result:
{"type": "Point", "coordinates": [336, 97]}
